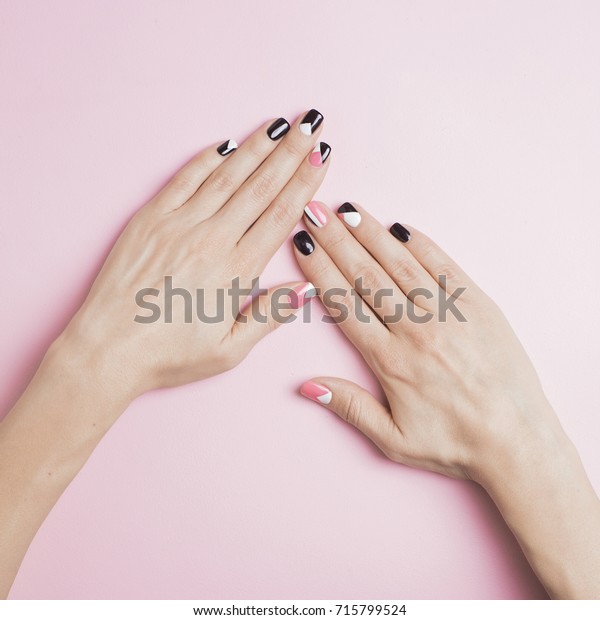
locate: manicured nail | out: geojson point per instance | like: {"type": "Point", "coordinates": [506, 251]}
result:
{"type": "Point", "coordinates": [349, 215]}
{"type": "Point", "coordinates": [311, 122]}
{"type": "Point", "coordinates": [278, 129]}
{"type": "Point", "coordinates": [316, 214]}
{"type": "Point", "coordinates": [301, 294]}
{"type": "Point", "coordinates": [319, 154]}
{"type": "Point", "coordinates": [401, 233]}
{"type": "Point", "coordinates": [303, 241]}
{"type": "Point", "coordinates": [316, 392]}
{"type": "Point", "coordinates": [227, 147]}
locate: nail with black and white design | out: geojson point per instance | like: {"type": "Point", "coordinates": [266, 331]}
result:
{"type": "Point", "coordinates": [319, 154]}
{"type": "Point", "coordinates": [349, 215]}
{"type": "Point", "coordinates": [278, 129]}
{"type": "Point", "coordinates": [311, 121]}
{"type": "Point", "coordinates": [227, 147]}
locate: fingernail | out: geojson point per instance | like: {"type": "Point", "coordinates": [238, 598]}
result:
{"type": "Point", "coordinates": [303, 241]}
{"type": "Point", "coordinates": [316, 214]}
{"type": "Point", "coordinates": [227, 147]}
{"type": "Point", "coordinates": [278, 129]}
{"type": "Point", "coordinates": [316, 392]}
{"type": "Point", "coordinates": [349, 215]}
{"type": "Point", "coordinates": [319, 154]}
{"type": "Point", "coordinates": [301, 294]}
{"type": "Point", "coordinates": [311, 121]}
{"type": "Point", "coordinates": [401, 233]}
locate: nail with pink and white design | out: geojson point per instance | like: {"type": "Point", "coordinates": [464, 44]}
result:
{"type": "Point", "coordinates": [301, 294]}
{"type": "Point", "coordinates": [316, 214]}
{"type": "Point", "coordinates": [319, 154]}
{"type": "Point", "coordinates": [317, 392]}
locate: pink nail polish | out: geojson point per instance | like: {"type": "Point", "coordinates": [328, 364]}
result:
{"type": "Point", "coordinates": [315, 391]}
{"type": "Point", "coordinates": [319, 154]}
{"type": "Point", "coordinates": [316, 214]}
{"type": "Point", "coordinates": [301, 294]}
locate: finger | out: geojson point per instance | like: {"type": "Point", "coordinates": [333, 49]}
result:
{"type": "Point", "coordinates": [392, 253]}
{"type": "Point", "coordinates": [188, 179]}
{"type": "Point", "coordinates": [274, 226]}
{"type": "Point", "coordinates": [359, 408]}
{"type": "Point", "coordinates": [439, 265]}
{"type": "Point", "coordinates": [365, 274]}
{"type": "Point", "coordinates": [263, 186]}
{"type": "Point", "coordinates": [346, 307]}
{"type": "Point", "coordinates": [268, 311]}
{"type": "Point", "coordinates": [225, 180]}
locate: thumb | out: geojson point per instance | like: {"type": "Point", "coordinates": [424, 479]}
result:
{"type": "Point", "coordinates": [269, 310]}
{"type": "Point", "coordinates": [357, 407]}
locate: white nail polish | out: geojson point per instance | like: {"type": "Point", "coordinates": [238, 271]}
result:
{"type": "Point", "coordinates": [306, 129]}
{"type": "Point", "coordinates": [316, 214]}
{"type": "Point", "coordinates": [349, 215]}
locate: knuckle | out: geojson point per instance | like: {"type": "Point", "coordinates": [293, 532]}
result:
{"type": "Point", "coordinates": [221, 181]}
{"type": "Point", "coordinates": [282, 215]}
{"type": "Point", "coordinates": [353, 411]}
{"type": "Point", "coordinates": [448, 270]}
{"type": "Point", "coordinates": [262, 186]}
{"type": "Point", "coordinates": [318, 269]}
{"type": "Point", "coordinates": [427, 247]}
{"type": "Point", "coordinates": [292, 149]}
{"type": "Point", "coordinates": [368, 279]}
{"type": "Point", "coordinates": [303, 184]}
{"type": "Point", "coordinates": [182, 182]}
{"type": "Point", "coordinates": [335, 240]}
{"type": "Point", "coordinates": [375, 237]}
{"type": "Point", "coordinates": [403, 270]}
{"type": "Point", "coordinates": [256, 148]}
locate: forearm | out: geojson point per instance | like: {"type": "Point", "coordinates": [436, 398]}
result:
{"type": "Point", "coordinates": [548, 502]}
{"type": "Point", "coordinates": [46, 439]}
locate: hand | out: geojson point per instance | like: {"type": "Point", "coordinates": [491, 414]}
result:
{"type": "Point", "coordinates": [222, 217]}
{"type": "Point", "coordinates": [462, 397]}
{"type": "Point", "coordinates": [460, 389]}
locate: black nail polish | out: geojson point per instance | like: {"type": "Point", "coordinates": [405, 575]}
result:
{"type": "Point", "coordinates": [350, 215]}
{"type": "Point", "coordinates": [303, 241]}
{"type": "Point", "coordinates": [278, 129]}
{"type": "Point", "coordinates": [311, 122]}
{"type": "Point", "coordinates": [401, 233]}
{"type": "Point", "coordinates": [319, 154]}
{"type": "Point", "coordinates": [325, 151]}
{"type": "Point", "coordinates": [227, 147]}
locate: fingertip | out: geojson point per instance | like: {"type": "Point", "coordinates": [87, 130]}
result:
{"type": "Point", "coordinates": [304, 243]}
{"type": "Point", "coordinates": [301, 294]}
{"type": "Point", "coordinates": [316, 392]}
{"type": "Point", "coordinates": [227, 147]}
{"type": "Point", "coordinates": [349, 215]}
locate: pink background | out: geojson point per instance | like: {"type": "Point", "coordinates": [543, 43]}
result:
{"type": "Point", "coordinates": [476, 121]}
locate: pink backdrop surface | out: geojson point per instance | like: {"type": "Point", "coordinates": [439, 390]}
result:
{"type": "Point", "coordinates": [475, 121]}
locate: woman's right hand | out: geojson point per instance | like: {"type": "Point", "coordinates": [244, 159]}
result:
{"type": "Point", "coordinates": [462, 396]}
{"type": "Point", "coordinates": [460, 388]}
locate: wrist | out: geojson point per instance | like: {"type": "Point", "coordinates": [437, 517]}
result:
{"type": "Point", "coordinates": [534, 442]}
{"type": "Point", "coordinates": [96, 364]}
{"type": "Point", "coordinates": [543, 493]}
{"type": "Point", "coordinates": [78, 392]}
{"type": "Point", "coordinates": [60, 418]}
